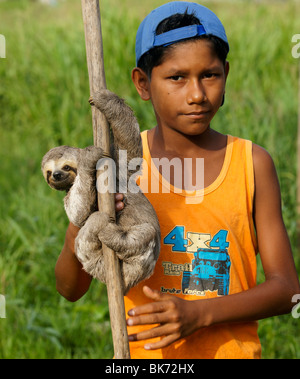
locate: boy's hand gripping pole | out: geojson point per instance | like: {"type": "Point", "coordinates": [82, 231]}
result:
{"type": "Point", "coordinates": [106, 202]}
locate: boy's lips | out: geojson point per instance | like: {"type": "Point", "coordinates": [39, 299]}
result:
{"type": "Point", "coordinates": [197, 114]}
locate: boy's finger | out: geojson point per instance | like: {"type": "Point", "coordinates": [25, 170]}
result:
{"type": "Point", "coordinates": [157, 307]}
{"type": "Point", "coordinates": [119, 197]}
{"type": "Point", "coordinates": [153, 294]}
{"type": "Point", "coordinates": [159, 331]}
{"type": "Point", "coordinates": [149, 318]}
{"type": "Point", "coordinates": [119, 204]}
{"type": "Point", "coordinates": [164, 342]}
{"type": "Point", "coordinates": [150, 308]}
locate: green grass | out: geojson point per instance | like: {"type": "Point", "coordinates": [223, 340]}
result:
{"type": "Point", "coordinates": [43, 103]}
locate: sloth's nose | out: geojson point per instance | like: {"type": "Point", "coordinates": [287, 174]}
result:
{"type": "Point", "coordinates": [57, 175]}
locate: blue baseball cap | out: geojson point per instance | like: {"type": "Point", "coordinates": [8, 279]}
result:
{"type": "Point", "coordinates": [146, 37]}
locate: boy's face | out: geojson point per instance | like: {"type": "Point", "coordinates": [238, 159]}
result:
{"type": "Point", "coordinates": [187, 89]}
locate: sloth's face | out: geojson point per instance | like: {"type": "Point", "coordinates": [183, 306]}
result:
{"type": "Point", "coordinates": [60, 174]}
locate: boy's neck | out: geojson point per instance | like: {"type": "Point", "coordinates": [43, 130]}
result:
{"type": "Point", "coordinates": [170, 143]}
{"type": "Point", "coordinates": [211, 146]}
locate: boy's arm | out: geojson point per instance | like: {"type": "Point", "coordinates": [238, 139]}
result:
{"type": "Point", "coordinates": [179, 318]}
{"type": "Point", "coordinates": [72, 282]}
{"type": "Point", "coordinates": [274, 296]}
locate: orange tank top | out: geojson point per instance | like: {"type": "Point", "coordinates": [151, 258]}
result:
{"type": "Point", "coordinates": [208, 249]}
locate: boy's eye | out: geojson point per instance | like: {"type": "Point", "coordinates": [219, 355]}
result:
{"type": "Point", "coordinates": [176, 78]}
{"type": "Point", "coordinates": [210, 75]}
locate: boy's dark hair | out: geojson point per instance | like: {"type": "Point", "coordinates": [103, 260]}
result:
{"type": "Point", "coordinates": [155, 56]}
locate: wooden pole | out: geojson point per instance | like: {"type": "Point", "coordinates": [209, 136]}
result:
{"type": "Point", "coordinates": [94, 51]}
{"type": "Point", "coordinates": [298, 162]}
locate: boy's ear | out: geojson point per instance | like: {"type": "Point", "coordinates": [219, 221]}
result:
{"type": "Point", "coordinates": [141, 82]}
{"type": "Point", "coordinates": [226, 69]}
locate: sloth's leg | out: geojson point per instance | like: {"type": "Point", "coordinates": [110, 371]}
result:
{"type": "Point", "coordinates": [124, 125]}
{"type": "Point", "coordinates": [125, 241]}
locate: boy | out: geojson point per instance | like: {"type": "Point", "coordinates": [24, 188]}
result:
{"type": "Point", "coordinates": [202, 300]}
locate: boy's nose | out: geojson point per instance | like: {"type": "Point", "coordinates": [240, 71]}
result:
{"type": "Point", "coordinates": [196, 93]}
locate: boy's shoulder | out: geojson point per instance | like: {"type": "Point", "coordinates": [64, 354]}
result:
{"type": "Point", "coordinates": [262, 160]}
{"type": "Point", "coordinates": [261, 156]}
{"type": "Point", "coordinates": [267, 186]}
{"type": "Point", "coordinates": [263, 165]}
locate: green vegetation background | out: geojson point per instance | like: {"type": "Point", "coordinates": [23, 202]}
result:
{"type": "Point", "coordinates": [43, 103]}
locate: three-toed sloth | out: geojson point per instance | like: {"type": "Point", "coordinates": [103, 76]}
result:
{"type": "Point", "coordinates": [135, 235]}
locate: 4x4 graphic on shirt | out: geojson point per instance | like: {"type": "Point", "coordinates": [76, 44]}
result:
{"type": "Point", "coordinates": [210, 268]}
{"type": "Point", "coordinates": [210, 273]}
